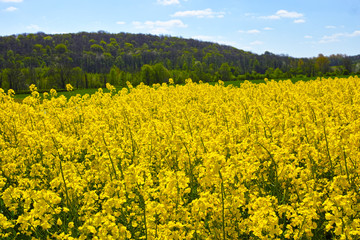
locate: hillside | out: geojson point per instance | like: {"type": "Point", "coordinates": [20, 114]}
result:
{"type": "Point", "coordinates": [92, 59]}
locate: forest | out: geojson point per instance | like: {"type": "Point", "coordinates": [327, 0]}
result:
{"type": "Point", "coordinates": [90, 60]}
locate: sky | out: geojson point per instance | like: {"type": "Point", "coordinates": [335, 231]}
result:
{"type": "Point", "coordinates": [298, 28]}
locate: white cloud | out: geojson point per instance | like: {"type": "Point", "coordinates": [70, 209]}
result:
{"type": "Point", "coordinates": [271, 17]}
{"type": "Point", "coordinates": [268, 28]}
{"type": "Point", "coordinates": [216, 39]}
{"type": "Point", "coordinates": [331, 38]}
{"type": "Point", "coordinates": [249, 14]}
{"type": "Point", "coordinates": [206, 13]}
{"type": "Point", "coordinates": [308, 37]}
{"type": "Point", "coordinates": [299, 21]}
{"type": "Point", "coordinates": [159, 27]}
{"type": "Point", "coordinates": [159, 31]}
{"type": "Point", "coordinates": [256, 43]}
{"type": "Point", "coordinates": [330, 27]}
{"type": "Point", "coordinates": [168, 2]}
{"type": "Point", "coordinates": [14, 1]}
{"type": "Point", "coordinates": [355, 33]}
{"type": "Point", "coordinates": [203, 38]}
{"type": "Point", "coordinates": [166, 24]}
{"type": "Point", "coordinates": [10, 9]}
{"type": "Point", "coordinates": [286, 14]}
{"type": "Point", "coordinates": [120, 22]}
{"type": "Point", "coordinates": [252, 31]}
{"type": "Point", "coordinates": [337, 36]}
{"type": "Point", "coordinates": [55, 32]}
{"type": "Point", "coordinates": [33, 27]}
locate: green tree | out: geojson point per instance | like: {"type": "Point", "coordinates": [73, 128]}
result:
{"type": "Point", "coordinates": [76, 77]}
{"type": "Point", "coordinates": [147, 74]}
{"type": "Point", "coordinates": [97, 57]}
{"type": "Point", "coordinates": [255, 65]}
{"type": "Point", "coordinates": [1, 79]}
{"type": "Point", "coordinates": [225, 72]}
{"type": "Point", "coordinates": [61, 49]}
{"type": "Point", "coordinates": [128, 47]}
{"type": "Point", "coordinates": [97, 49]}
{"type": "Point", "coordinates": [113, 46]}
{"type": "Point", "coordinates": [199, 71]}
{"type": "Point", "coordinates": [278, 73]}
{"type": "Point", "coordinates": [300, 67]}
{"type": "Point", "coordinates": [322, 64]}
{"type": "Point", "coordinates": [346, 61]}
{"type": "Point", "coordinates": [161, 73]}
{"type": "Point", "coordinates": [15, 77]}
{"type": "Point", "coordinates": [62, 65]}
{"type": "Point", "coordinates": [269, 73]}
{"type": "Point", "coordinates": [114, 76]}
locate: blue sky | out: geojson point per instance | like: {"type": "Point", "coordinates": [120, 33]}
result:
{"type": "Point", "coordinates": [298, 28]}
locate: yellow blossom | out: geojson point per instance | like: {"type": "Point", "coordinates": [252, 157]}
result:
{"type": "Point", "coordinates": [267, 161]}
{"type": "Point", "coordinates": [59, 222]}
{"type": "Point", "coordinates": [69, 87]}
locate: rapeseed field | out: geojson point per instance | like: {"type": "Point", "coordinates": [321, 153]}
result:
{"type": "Point", "coordinates": [261, 161]}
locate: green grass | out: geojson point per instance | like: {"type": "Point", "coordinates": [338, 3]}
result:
{"type": "Point", "coordinates": [90, 91]}
{"type": "Point", "coordinates": [237, 83]}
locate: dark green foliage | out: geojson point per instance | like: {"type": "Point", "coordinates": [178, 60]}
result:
{"type": "Point", "coordinates": [61, 48]}
{"type": "Point", "coordinates": [92, 59]}
{"type": "Point", "coordinates": [147, 74]}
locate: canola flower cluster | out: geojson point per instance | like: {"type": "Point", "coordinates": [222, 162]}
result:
{"type": "Point", "coordinates": [268, 161]}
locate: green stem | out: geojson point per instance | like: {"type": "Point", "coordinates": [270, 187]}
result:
{"type": "Point", "coordinates": [112, 162]}
{"type": "Point", "coordinates": [145, 225]}
{"type": "Point", "coordinates": [346, 168]}
{"type": "Point", "coordinates": [223, 206]}
{"type": "Point", "coordinates": [61, 158]}
{"type": "Point", "coordinates": [327, 149]}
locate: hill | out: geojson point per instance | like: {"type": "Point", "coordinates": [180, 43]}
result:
{"type": "Point", "coordinates": [92, 59]}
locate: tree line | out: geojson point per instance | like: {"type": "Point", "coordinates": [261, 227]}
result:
{"type": "Point", "coordinates": [90, 60]}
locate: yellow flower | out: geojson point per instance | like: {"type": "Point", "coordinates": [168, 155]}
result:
{"type": "Point", "coordinates": [59, 222]}
{"type": "Point", "coordinates": [71, 224]}
{"type": "Point", "coordinates": [53, 92]}
{"type": "Point", "coordinates": [91, 229]}
{"type": "Point", "coordinates": [69, 87]}
{"type": "Point", "coordinates": [275, 160]}
{"type": "Point", "coordinates": [45, 95]}
{"type": "Point", "coordinates": [11, 92]}
{"type": "Point", "coordinates": [2, 182]}
{"type": "Point", "coordinates": [110, 87]}
{"type": "Point", "coordinates": [5, 223]}
{"type": "Point", "coordinates": [32, 88]}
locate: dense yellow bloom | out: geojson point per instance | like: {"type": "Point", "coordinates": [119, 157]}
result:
{"type": "Point", "coordinates": [268, 161]}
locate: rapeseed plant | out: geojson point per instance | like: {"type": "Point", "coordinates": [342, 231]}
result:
{"type": "Point", "coordinates": [269, 161]}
